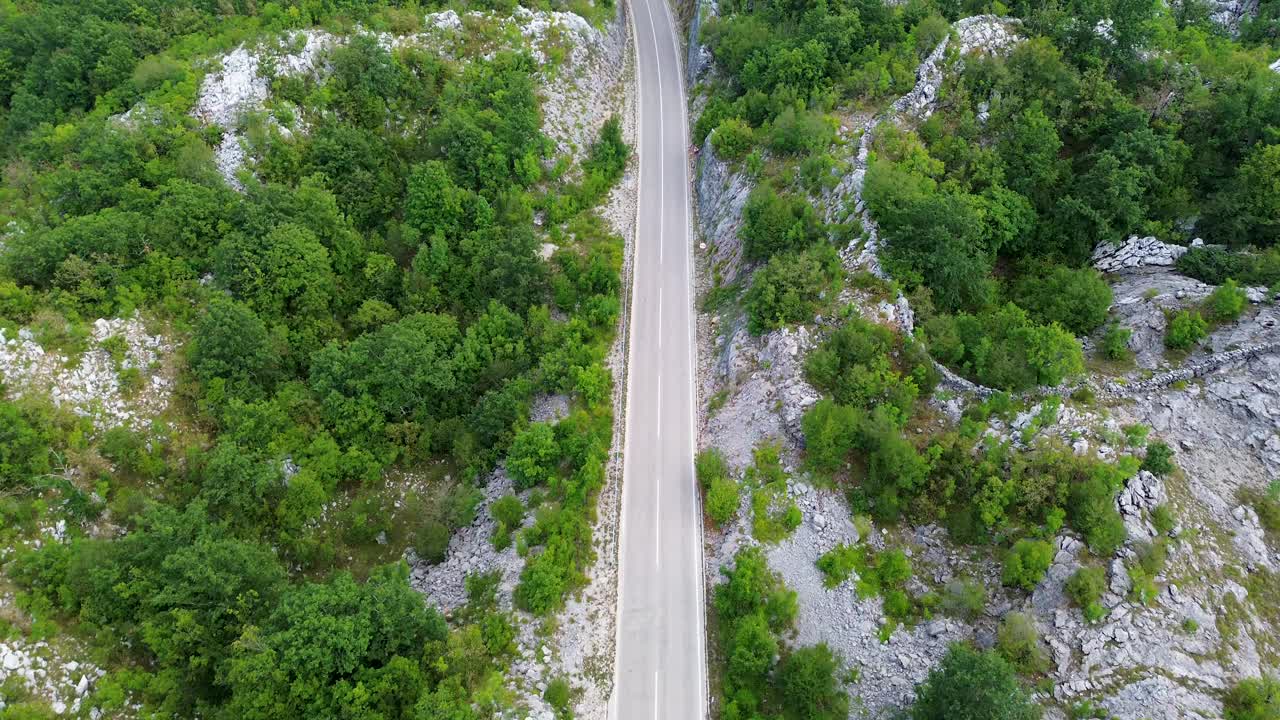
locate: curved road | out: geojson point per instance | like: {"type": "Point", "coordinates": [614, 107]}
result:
{"type": "Point", "coordinates": [660, 671]}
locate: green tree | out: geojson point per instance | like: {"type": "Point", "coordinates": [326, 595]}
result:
{"type": "Point", "coordinates": [232, 343]}
{"type": "Point", "coordinates": [1226, 302]}
{"type": "Point", "coordinates": [791, 287]}
{"type": "Point", "coordinates": [534, 456]}
{"type": "Point", "coordinates": [774, 223]}
{"type": "Point", "coordinates": [1078, 300]}
{"type": "Point", "coordinates": [1186, 328]}
{"type": "Point", "coordinates": [1085, 588]}
{"type": "Point", "coordinates": [1253, 699]}
{"type": "Point", "coordinates": [810, 686]}
{"type": "Point", "coordinates": [972, 685]}
{"type": "Point", "coordinates": [1026, 563]}
{"type": "Point", "coordinates": [732, 139]}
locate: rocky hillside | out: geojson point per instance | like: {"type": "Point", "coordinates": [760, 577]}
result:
{"type": "Point", "coordinates": [1203, 617]}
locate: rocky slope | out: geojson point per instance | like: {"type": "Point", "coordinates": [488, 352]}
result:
{"type": "Point", "coordinates": [1219, 408]}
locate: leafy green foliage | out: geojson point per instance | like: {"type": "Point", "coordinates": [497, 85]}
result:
{"type": "Point", "coordinates": [1018, 642]}
{"type": "Point", "coordinates": [838, 563]}
{"type": "Point", "coordinates": [972, 685]}
{"type": "Point", "coordinates": [1186, 328]}
{"type": "Point", "coordinates": [1215, 265]}
{"type": "Point", "coordinates": [1159, 459]}
{"type": "Point", "coordinates": [1226, 302]}
{"type": "Point", "coordinates": [1253, 699]}
{"type": "Point", "coordinates": [720, 490]}
{"type": "Point", "coordinates": [1085, 588]}
{"type": "Point", "coordinates": [790, 288]}
{"type": "Point", "coordinates": [865, 365]}
{"type": "Point", "coordinates": [370, 306]}
{"type": "Point", "coordinates": [1026, 563]}
{"type": "Point", "coordinates": [1115, 342]}
{"type": "Point", "coordinates": [775, 223]}
{"type": "Point", "coordinates": [773, 514]}
{"type": "Point", "coordinates": [753, 610]}
{"type": "Point", "coordinates": [1078, 300]}
{"type": "Point", "coordinates": [534, 456]}
{"type": "Point", "coordinates": [1004, 348]}
{"type": "Point", "coordinates": [732, 139]}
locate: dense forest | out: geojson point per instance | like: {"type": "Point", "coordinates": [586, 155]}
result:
{"type": "Point", "coordinates": [1105, 120]}
{"type": "Point", "coordinates": [378, 302]}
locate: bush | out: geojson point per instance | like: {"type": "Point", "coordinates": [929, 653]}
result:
{"type": "Point", "coordinates": [964, 598]}
{"type": "Point", "coordinates": [838, 563]}
{"type": "Point", "coordinates": [558, 695]}
{"type": "Point", "coordinates": [774, 223]}
{"type": "Point", "coordinates": [1253, 699]}
{"type": "Point", "coordinates": [432, 541]}
{"type": "Point", "coordinates": [1215, 266]}
{"type": "Point", "coordinates": [810, 684]}
{"type": "Point", "coordinates": [1162, 519]}
{"type": "Point", "coordinates": [1027, 563]}
{"type": "Point", "coordinates": [534, 456]}
{"type": "Point", "coordinates": [1085, 588]}
{"type": "Point", "coordinates": [798, 132]}
{"type": "Point", "coordinates": [1115, 342]}
{"type": "Point", "coordinates": [720, 491]}
{"type": "Point", "coordinates": [1159, 459]}
{"type": "Point", "coordinates": [722, 500]}
{"type": "Point", "coordinates": [1185, 330]}
{"type": "Point", "coordinates": [1091, 509]}
{"type": "Point", "coordinates": [732, 139]}
{"type": "Point", "coordinates": [791, 287]}
{"type": "Point", "coordinates": [1004, 348]}
{"type": "Point", "coordinates": [972, 685]}
{"type": "Point", "coordinates": [1076, 299]}
{"type": "Point", "coordinates": [1226, 302]}
{"type": "Point", "coordinates": [1018, 642]}
{"type": "Point", "coordinates": [866, 365]}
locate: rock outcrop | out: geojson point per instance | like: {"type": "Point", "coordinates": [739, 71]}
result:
{"type": "Point", "coordinates": [122, 377]}
{"type": "Point", "coordinates": [1135, 252]}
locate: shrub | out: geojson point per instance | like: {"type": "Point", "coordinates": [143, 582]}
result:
{"type": "Point", "coordinates": [1085, 588]}
{"type": "Point", "coordinates": [1018, 642]}
{"type": "Point", "coordinates": [810, 685]}
{"type": "Point", "coordinates": [866, 365]}
{"type": "Point", "coordinates": [1226, 302]}
{"type": "Point", "coordinates": [432, 541]}
{"type": "Point", "coordinates": [732, 139]}
{"type": "Point", "coordinates": [1185, 330]}
{"type": "Point", "coordinates": [1214, 265]}
{"type": "Point", "coordinates": [798, 132]}
{"type": "Point", "coordinates": [533, 456]}
{"type": "Point", "coordinates": [1077, 299]}
{"type": "Point", "coordinates": [1004, 348]}
{"type": "Point", "coordinates": [1253, 699]}
{"type": "Point", "coordinates": [1115, 342]}
{"type": "Point", "coordinates": [791, 287]}
{"type": "Point", "coordinates": [558, 695]}
{"type": "Point", "coordinates": [773, 223]}
{"type": "Point", "coordinates": [838, 563]}
{"type": "Point", "coordinates": [1162, 519]}
{"type": "Point", "coordinates": [722, 500]}
{"type": "Point", "coordinates": [508, 510]}
{"type": "Point", "coordinates": [1091, 509]}
{"type": "Point", "coordinates": [1159, 459]}
{"type": "Point", "coordinates": [972, 685]}
{"type": "Point", "coordinates": [964, 598]}
{"type": "Point", "coordinates": [1026, 563]}
{"type": "Point", "coordinates": [720, 491]}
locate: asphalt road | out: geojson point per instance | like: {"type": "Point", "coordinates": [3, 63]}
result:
{"type": "Point", "coordinates": [661, 658]}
